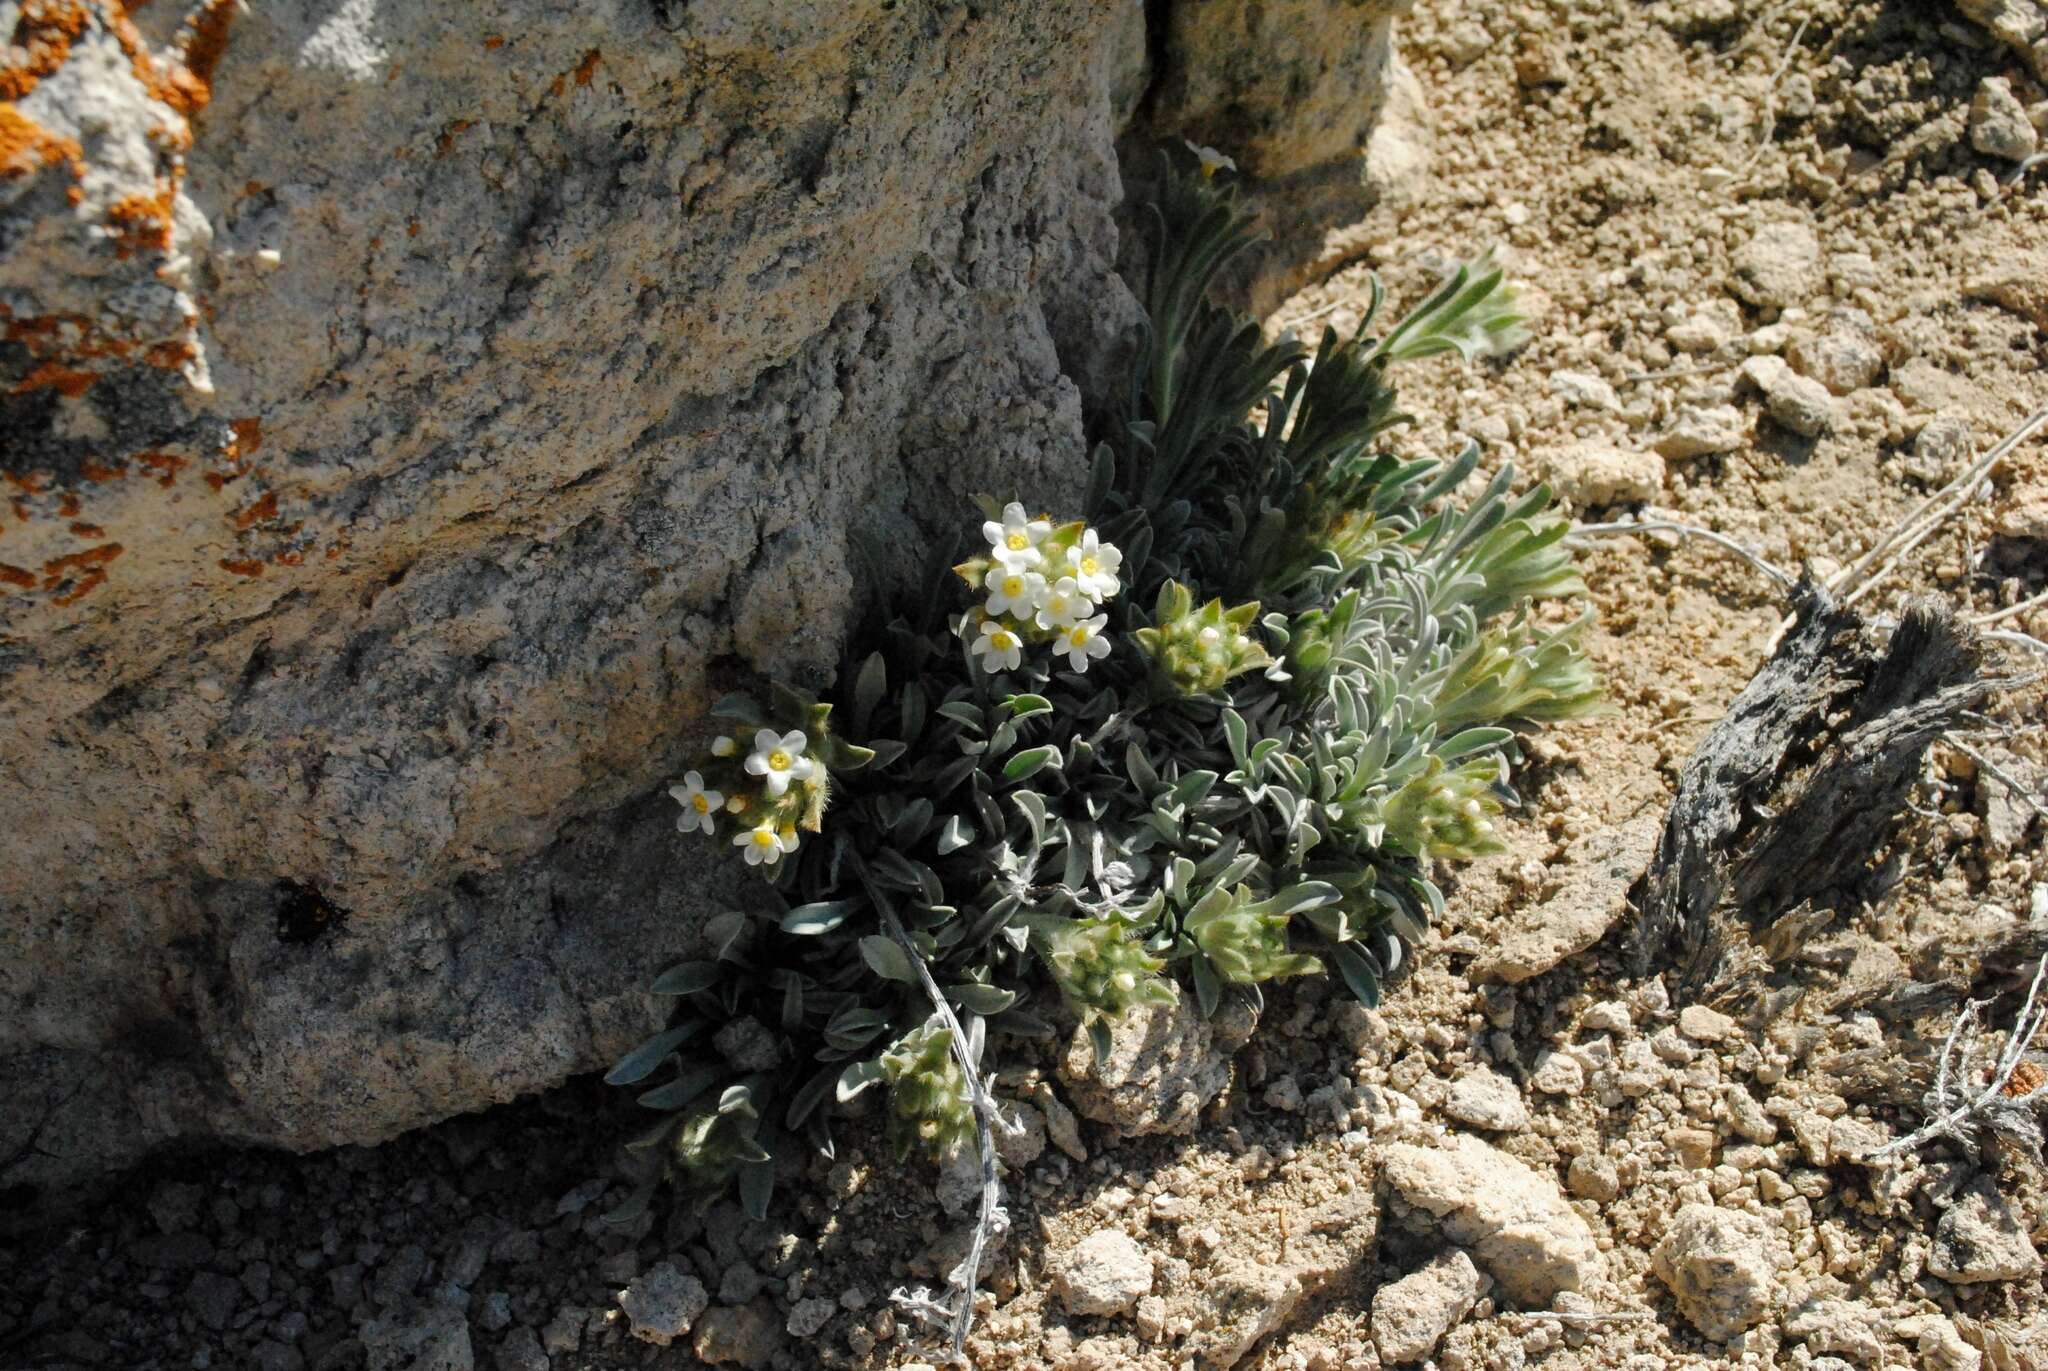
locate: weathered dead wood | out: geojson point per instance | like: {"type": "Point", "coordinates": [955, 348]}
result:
{"type": "Point", "coordinates": [1792, 795]}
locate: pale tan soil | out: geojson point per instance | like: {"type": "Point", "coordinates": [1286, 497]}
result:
{"type": "Point", "coordinates": [1602, 185]}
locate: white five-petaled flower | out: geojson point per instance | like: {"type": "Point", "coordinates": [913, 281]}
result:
{"type": "Point", "coordinates": [1000, 649]}
{"type": "Point", "coordinates": [723, 746]}
{"type": "Point", "coordinates": [766, 843]}
{"type": "Point", "coordinates": [699, 804]}
{"type": "Point", "coordinates": [1083, 642]}
{"type": "Point", "coordinates": [1013, 591]}
{"type": "Point", "coordinates": [779, 760]}
{"type": "Point", "coordinates": [1212, 161]}
{"type": "Point", "coordinates": [1015, 540]}
{"type": "Point", "coordinates": [1094, 565]}
{"type": "Point", "coordinates": [1064, 604]}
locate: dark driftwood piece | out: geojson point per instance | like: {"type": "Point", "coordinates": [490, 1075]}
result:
{"type": "Point", "coordinates": [1793, 793]}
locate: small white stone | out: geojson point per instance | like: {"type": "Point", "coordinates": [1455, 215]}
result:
{"type": "Point", "coordinates": [1700, 430]}
{"type": "Point", "coordinates": [663, 1303]}
{"type": "Point", "coordinates": [1582, 388]}
{"type": "Point", "coordinates": [1558, 1073]}
{"type": "Point", "coordinates": [1486, 1099]}
{"type": "Point", "coordinates": [1999, 126]}
{"type": "Point", "coordinates": [1411, 1315]}
{"type": "Point", "coordinates": [1105, 1273]}
{"type": "Point", "coordinates": [1609, 1016]}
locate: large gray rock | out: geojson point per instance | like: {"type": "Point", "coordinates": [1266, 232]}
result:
{"type": "Point", "coordinates": [415, 415]}
{"type": "Point", "coordinates": [1291, 91]}
{"type": "Point", "coordinates": [399, 469]}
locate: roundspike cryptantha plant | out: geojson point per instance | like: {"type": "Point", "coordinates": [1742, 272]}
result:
{"type": "Point", "coordinates": [1212, 728]}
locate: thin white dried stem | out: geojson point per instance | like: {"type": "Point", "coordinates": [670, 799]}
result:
{"type": "Point", "coordinates": [2011, 611]}
{"type": "Point", "coordinates": [1997, 774]}
{"type": "Point", "coordinates": [1784, 579]}
{"type": "Point", "coordinates": [955, 1311]}
{"type": "Point", "coordinates": [1962, 1106]}
{"type": "Point", "coordinates": [1858, 579]}
{"type": "Point", "coordinates": [2025, 640]}
{"type": "Point", "coordinates": [1771, 98]}
{"type": "Point", "coordinates": [1635, 378]}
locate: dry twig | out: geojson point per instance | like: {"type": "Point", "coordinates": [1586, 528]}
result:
{"type": "Point", "coordinates": [1961, 1108]}
{"type": "Point", "coordinates": [1783, 579]}
{"type": "Point", "coordinates": [954, 1311]}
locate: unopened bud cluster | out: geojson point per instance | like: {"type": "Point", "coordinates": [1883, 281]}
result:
{"type": "Point", "coordinates": [1245, 941]}
{"type": "Point", "coordinates": [1447, 812]}
{"type": "Point", "coordinates": [1200, 649]}
{"type": "Point", "coordinates": [928, 1096]}
{"type": "Point", "coordinates": [1103, 971]}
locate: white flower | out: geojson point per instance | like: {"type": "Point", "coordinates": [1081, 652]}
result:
{"type": "Point", "coordinates": [1212, 161]}
{"type": "Point", "coordinates": [1064, 605]}
{"type": "Point", "coordinates": [1015, 540]}
{"type": "Point", "coordinates": [778, 761]}
{"type": "Point", "coordinates": [765, 843]}
{"type": "Point", "coordinates": [1084, 641]}
{"type": "Point", "coordinates": [1095, 564]}
{"type": "Point", "coordinates": [723, 746]}
{"type": "Point", "coordinates": [699, 804]}
{"type": "Point", "coordinates": [1014, 591]}
{"type": "Point", "coordinates": [1000, 649]}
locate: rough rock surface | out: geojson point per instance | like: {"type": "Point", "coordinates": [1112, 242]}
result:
{"type": "Point", "coordinates": [1778, 267]}
{"type": "Point", "coordinates": [1722, 1267]}
{"type": "Point", "coordinates": [1106, 1273]}
{"type": "Point", "coordinates": [1292, 91]}
{"type": "Point", "coordinates": [1514, 1221]}
{"type": "Point", "coordinates": [1589, 475]}
{"type": "Point", "coordinates": [412, 414]}
{"type": "Point", "coordinates": [1410, 1316]}
{"type": "Point", "coordinates": [662, 1304]}
{"type": "Point", "coordinates": [1800, 403]}
{"type": "Point", "coordinates": [2021, 23]}
{"type": "Point", "coordinates": [1592, 892]}
{"type": "Point", "coordinates": [1165, 1063]}
{"type": "Point", "coordinates": [1484, 1098]}
{"type": "Point", "coordinates": [1983, 1238]}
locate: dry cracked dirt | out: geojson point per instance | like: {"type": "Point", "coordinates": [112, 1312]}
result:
{"type": "Point", "coordinates": [1786, 265]}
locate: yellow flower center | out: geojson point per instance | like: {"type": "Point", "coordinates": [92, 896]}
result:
{"type": "Point", "coordinates": [1017, 542]}
{"type": "Point", "coordinates": [1088, 566]}
{"type": "Point", "coordinates": [778, 760]}
{"type": "Point", "coordinates": [702, 805]}
{"type": "Point", "coordinates": [1079, 637]}
{"type": "Point", "coordinates": [1004, 642]}
{"type": "Point", "coordinates": [764, 837]}
{"type": "Point", "coordinates": [1013, 585]}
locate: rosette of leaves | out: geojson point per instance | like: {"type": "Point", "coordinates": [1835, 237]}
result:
{"type": "Point", "coordinates": [1043, 848]}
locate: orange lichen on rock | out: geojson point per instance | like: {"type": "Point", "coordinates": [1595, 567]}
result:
{"type": "Point", "coordinates": [26, 145]}
{"type": "Point", "coordinates": [206, 38]}
{"type": "Point", "coordinates": [141, 221]}
{"type": "Point", "coordinates": [446, 141]}
{"type": "Point", "coordinates": [248, 436]}
{"type": "Point", "coordinates": [587, 67]}
{"type": "Point", "coordinates": [87, 571]}
{"type": "Point", "coordinates": [43, 35]}
{"type": "Point", "coordinates": [85, 530]}
{"type": "Point", "coordinates": [262, 511]}
{"type": "Point", "coordinates": [56, 376]}
{"type": "Point", "coordinates": [494, 41]}
{"type": "Point", "coordinates": [241, 568]}
{"type": "Point", "coordinates": [165, 465]}
{"type": "Point", "coordinates": [170, 355]}
{"type": "Point", "coordinates": [17, 576]}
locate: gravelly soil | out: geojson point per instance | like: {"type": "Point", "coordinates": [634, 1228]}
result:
{"type": "Point", "coordinates": [1686, 185]}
